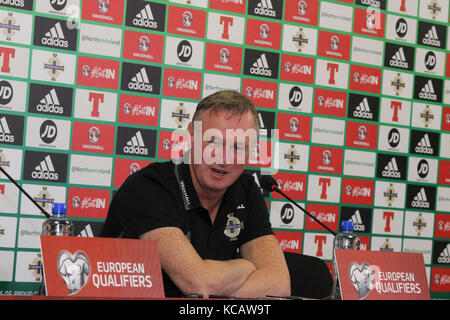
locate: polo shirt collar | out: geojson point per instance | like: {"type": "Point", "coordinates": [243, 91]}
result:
{"type": "Point", "coordinates": [187, 189]}
{"type": "Point", "coordinates": [189, 195]}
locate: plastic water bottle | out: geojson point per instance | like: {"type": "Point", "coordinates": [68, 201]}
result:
{"type": "Point", "coordinates": [58, 224]}
{"type": "Point", "coordinates": [345, 240]}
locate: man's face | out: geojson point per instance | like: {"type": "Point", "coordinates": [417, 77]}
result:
{"type": "Point", "coordinates": [225, 145]}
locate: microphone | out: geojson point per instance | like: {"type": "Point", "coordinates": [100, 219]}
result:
{"type": "Point", "coordinates": [269, 184]}
{"type": "Point", "coordinates": [24, 192]}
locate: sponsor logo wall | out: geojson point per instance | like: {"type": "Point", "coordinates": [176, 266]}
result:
{"type": "Point", "coordinates": [91, 91]}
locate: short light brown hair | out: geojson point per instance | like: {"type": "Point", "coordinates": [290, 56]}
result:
{"type": "Point", "coordinates": [228, 100]}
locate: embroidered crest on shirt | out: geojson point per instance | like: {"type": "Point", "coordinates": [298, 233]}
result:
{"type": "Point", "coordinates": [233, 227]}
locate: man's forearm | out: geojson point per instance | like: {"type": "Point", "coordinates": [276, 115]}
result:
{"type": "Point", "coordinates": [271, 276]}
{"type": "Point", "coordinates": [261, 283]}
{"type": "Point", "coordinates": [225, 277]}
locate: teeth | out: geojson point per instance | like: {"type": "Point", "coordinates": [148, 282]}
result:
{"type": "Point", "coordinates": [219, 171]}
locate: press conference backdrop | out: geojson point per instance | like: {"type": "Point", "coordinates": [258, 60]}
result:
{"type": "Point", "coordinates": [90, 91]}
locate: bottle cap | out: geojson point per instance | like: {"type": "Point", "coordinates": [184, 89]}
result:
{"type": "Point", "coordinates": [347, 225]}
{"type": "Point", "coordinates": [59, 208]}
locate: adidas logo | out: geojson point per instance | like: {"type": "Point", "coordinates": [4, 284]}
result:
{"type": "Point", "coordinates": [136, 145]}
{"type": "Point", "coordinates": [140, 81]}
{"type": "Point", "coordinates": [431, 38]}
{"type": "Point", "coordinates": [265, 8]}
{"type": "Point", "coordinates": [391, 170]}
{"type": "Point", "coordinates": [427, 91]}
{"type": "Point", "coordinates": [399, 59]}
{"type": "Point", "coordinates": [86, 232]}
{"type": "Point", "coordinates": [5, 133]}
{"type": "Point", "coordinates": [145, 18]}
{"type": "Point", "coordinates": [444, 257]}
{"type": "Point", "coordinates": [420, 200]}
{"type": "Point", "coordinates": [45, 170]}
{"type": "Point", "coordinates": [424, 145]}
{"type": "Point", "coordinates": [50, 103]}
{"type": "Point", "coordinates": [363, 110]}
{"type": "Point", "coordinates": [55, 37]}
{"type": "Point", "coordinates": [261, 67]}
{"type": "Point", "coordinates": [357, 222]}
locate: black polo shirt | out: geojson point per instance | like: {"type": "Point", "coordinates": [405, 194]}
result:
{"type": "Point", "coordinates": [163, 195]}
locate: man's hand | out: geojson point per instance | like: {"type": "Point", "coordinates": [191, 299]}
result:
{"type": "Point", "coordinates": [271, 276]}
{"type": "Point", "coordinates": [190, 272]}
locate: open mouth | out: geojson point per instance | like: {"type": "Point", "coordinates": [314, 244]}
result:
{"type": "Point", "coordinates": [219, 172]}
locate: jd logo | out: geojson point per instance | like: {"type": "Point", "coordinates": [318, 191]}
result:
{"type": "Point", "coordinates": [58, 4]}
{"type": "Point", "coordinates": [423, 168]}
{"type": "Point", "coordinates": [295, 96]}
{"type": "Point", "coordinates": [401, 27]}
{"type": "Point", "coordinates": [287, 213]}
{"type": "Point", "coordinates": [430, 60]}
{"type": "Point", "coordinates": [184, 51]}
{"type": "Point", "coordinates": [48, 131]}
{"type": "Point", "coordinates": [394, 138]}
{"type": "Point", "coordinates": [6, 92]}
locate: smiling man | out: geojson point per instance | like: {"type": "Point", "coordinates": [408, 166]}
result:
{"type": "Point", "coordinates": [210, 219]}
